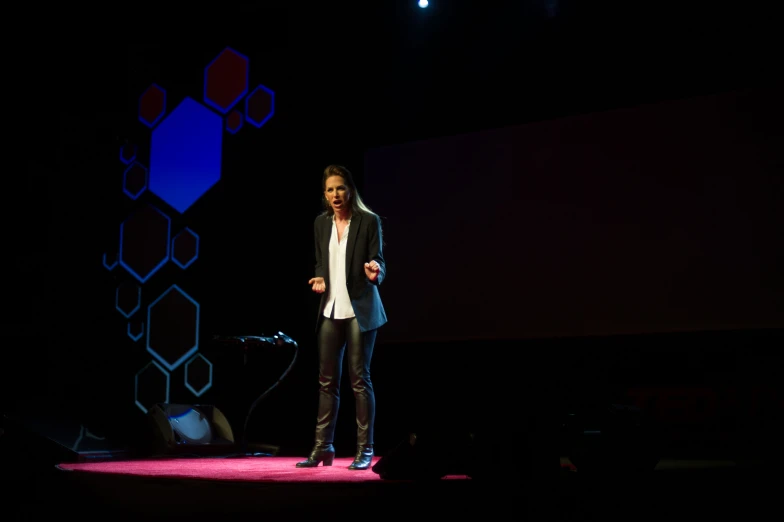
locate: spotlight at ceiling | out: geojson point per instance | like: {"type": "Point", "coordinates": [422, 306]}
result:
{"type": "Point", "coordinates": [423, 3]}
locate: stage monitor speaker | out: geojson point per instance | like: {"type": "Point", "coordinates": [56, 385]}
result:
{"type": "Point", "coordinates": [426, 455]}
{"type": "Point", "coordinates": [189, 428]}
{"type": "Point", "coordinates": [611, 439]}
{"type": "Point", "coordinates": [42, 437]}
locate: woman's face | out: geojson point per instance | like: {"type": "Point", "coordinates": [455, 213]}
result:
{"type": "Point", "coordinates": [337, 193]}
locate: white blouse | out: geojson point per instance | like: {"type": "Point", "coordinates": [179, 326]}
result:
{"type": "Point", "coordinates": [338, 290]}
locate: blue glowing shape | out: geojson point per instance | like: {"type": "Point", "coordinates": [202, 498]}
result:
{"type": "Point", "coordinates": [152, 105]}
{"type": "Point", "coordinates": [152, 365]}
{"type": "Point", "coordinates": [136, 336]}
{"type": "Point", "coordinates": [185, 159]}
{"type": "Point", "coordinates": [188, 385]}
{"type": "Point", "coordinates": [135, 180]}
{"type": "Point", "coordinates": [171, 316]}
{"type": "Point", "coordinates": [124, 287]}
{"type": "Point", "coordinates": [234, 122]}
{"type": "Point", "coordinates": [145, 242]}
{"type": "Point", "coordinates": [185, 248]}
{"type": "Point", "coordinates": [259, 106]}
{"type": "Point", "coordinates": [226, 80]}
{"type": "Point", "coordinates": [109, 266]}
{"type": "Point", "coordinates": [128, 153]}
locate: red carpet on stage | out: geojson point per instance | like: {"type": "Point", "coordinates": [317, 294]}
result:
{"type": "Point", "coordinates": [246, 469]}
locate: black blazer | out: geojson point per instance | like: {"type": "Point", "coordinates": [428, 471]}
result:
{"type": "Point", "coordinates": [364, 244]}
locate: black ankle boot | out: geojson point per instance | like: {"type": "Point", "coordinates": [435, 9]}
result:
{"type": "Point", "coordinates": [363, 459]}
{"type": "Point", "coordinates": [321, 453]}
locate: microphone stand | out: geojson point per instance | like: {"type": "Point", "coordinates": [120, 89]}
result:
{"type": "Point", "coordinates": [278, 339]}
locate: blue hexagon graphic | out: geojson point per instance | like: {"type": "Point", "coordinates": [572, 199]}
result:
{"type": "Point", "coordinates": [259, 106]}
{"type": "Point", "coordinates": [173, 327]}
{"type": "Point", "coordinates": [198, 359]}
{"type": "Point", "coordinates": [128, 298]}
{"type": "Point", "coordinates": [185, 248]}
{"type": "Point", "coordinates": [185, 155]}
{"type": "Point", "coordinates": [135, 180]}
{"type": "Point", "coordinates": [135, 336]}
{"type": "Point", "coordinates": [128, 153]}
{"type": "Point", "coordinates": [110, 266]}
{"type": "Point", "coordinates": [152, 366]}
{"type": "Point", "coordinates": [234, 122]}
{"type": "Point", "coordinates": [145, 242]}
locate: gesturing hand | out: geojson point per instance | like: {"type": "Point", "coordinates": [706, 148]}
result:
{"type": "Point", "coordinates": [317, 284]}
{"type": "Point", "coordinates": [371, 270]}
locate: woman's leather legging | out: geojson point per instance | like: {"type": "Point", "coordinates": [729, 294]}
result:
{"type": "Point", "coordinates": [336, 336]}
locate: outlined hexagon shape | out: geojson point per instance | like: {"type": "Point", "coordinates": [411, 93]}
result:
{"type": "Point", "coordinates": [234, 121]}
{"type": "Point", "coordinates": [109, 262]}
{"type": "Point", "coordinates": [151, 386]}
{"type": "Point", "coordinates": [259, 106]}
{"type": "Point", "coordinates": [128, 298]}
{"type": "Point", "coordinates": [185, 248]}
{"type": "Point", "coordinates": [135, 180]}
{"type": "Point", "coordinates": [128, 153]}
{"type": "Point", "coordinates": [198, 375]}
{"type": "Point", "coordinates": [135, 329]}
{"type": "Point", "coordinates": [152, 105]}
{"type": "Point", "coordinates": [226, 80]}
{"type": "Point", "coordinates": [185, 158]}
{"type": "Point", "coordinates": [173, 327]}
{"type": "Point", "coordinates": [145, 242]}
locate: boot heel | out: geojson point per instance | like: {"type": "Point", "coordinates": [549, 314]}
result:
{"type": "Point", "coordinates": [320, 454]}
{"type": "Point", "coordinates": [364, 457]}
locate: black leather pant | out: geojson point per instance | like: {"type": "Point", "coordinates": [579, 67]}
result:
{"type": "Point", "coordinates": [336, 336]}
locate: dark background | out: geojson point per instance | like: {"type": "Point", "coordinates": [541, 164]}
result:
{"type": "Point", "coordinates": [350, 79]}
{"type": "Point", "coordinates": [658, 218]}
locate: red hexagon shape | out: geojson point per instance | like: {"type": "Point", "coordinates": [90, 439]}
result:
{"type": "Point", "coordinates": [135, 180]}
{"type": "Point", "coordinates": [145, 242]}
{"type": "Point", "coordinates": [226, 80]}
{"type": "Point", "coordinates": [234, 121]}
{"type": "Point", "coordinates": [259, 106]}
{"type": "Point", "coordinates": [128, 153]}
{"type": "Point", "coordinates": [152, 105]}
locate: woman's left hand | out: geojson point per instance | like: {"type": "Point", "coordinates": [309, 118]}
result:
{"type": "Point", "coordinates": [371, 270]}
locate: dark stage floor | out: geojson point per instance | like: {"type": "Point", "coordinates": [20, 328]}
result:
{"type": "Point", "coordinates": [213, 490]}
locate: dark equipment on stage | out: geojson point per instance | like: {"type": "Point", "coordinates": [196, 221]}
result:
{"type": "Point", "coordinates": [614, 438]}
{"type": "Point", "coordinates": [421, 458]}
{"type": "Point", "coordinates": [187, 428]}
{"type": "Point", "coordinates": [203, 429]}
{"type": "Point", "coordinates": [279, 339]}
{"type": "Point", "coordinates": [48, 433]}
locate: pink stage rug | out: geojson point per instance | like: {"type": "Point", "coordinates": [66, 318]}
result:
{"type": "Point", "coordinates": [246, 469]}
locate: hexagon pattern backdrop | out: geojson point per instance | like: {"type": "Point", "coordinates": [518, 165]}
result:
{"type": "Point", "coordinates": [186, 146]}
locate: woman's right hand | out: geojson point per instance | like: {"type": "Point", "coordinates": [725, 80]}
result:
{"type": "Point", "coordinates": [317, 284]}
